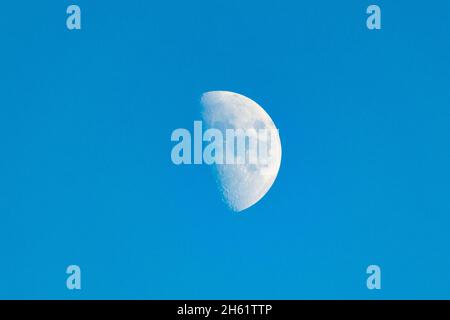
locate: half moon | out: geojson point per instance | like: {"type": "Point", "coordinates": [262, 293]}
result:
{"type": "Point", "coordinates": [242, 185]}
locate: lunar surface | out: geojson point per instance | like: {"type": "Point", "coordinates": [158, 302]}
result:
{"type": "Point", "coordinates": [242, 185]}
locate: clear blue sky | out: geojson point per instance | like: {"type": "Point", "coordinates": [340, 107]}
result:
{"type": "Point", "coordinates": [85, 170]}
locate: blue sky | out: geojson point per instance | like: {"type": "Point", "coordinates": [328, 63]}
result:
{"type": "Point", "coordinates": [85, 170]}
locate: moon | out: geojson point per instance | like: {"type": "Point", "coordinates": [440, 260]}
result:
{"type": "Point", "coordinates": [242, 185]}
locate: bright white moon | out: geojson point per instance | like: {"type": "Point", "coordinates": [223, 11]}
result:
{"type": "Point", "coordinates": [242, 185]}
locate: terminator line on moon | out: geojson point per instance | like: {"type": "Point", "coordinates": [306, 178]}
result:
{"type": "Point", "coordinates": [242, 185]}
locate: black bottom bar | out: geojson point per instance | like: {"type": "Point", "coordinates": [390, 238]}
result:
{"type": "Point", "coordinates": [226, 309]}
